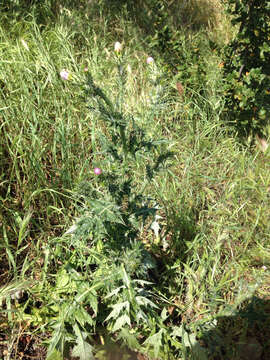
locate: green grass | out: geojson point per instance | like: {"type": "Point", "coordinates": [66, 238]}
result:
{"type": "Point", "coordinates": [213, 247]}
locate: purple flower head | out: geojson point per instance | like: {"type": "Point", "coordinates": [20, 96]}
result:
{"type": "Point", "coordinates": [97, 171]}
{"type": "Point", "coordinates": [65, 75]}
{"type": "Point", "coordinates": [150, 60]}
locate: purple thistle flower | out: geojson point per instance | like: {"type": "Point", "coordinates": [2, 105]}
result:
{"type": "Point", "coordinates": [97, 171]}
{"type": "Point", "coordinates": [65, 75]}
{"type": "Point", "coordinates": [149, 60]}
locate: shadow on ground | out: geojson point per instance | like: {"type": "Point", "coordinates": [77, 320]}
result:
{"type": "Point", "coordinates": [243, 336]}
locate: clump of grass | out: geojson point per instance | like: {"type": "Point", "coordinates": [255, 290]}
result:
{"type": "Point", "coordinates": [199, 13]}
{"type": "Point", "coordinates": [205, 14]}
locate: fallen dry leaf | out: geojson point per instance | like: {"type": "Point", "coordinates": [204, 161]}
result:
{"type": "Point", "coordinates": [180, 88]}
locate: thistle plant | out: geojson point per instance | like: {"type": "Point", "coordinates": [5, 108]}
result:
{"type": "Point", "coordinates": [105, 266]}
{"type": "Point", "coordinates": [116, 207]}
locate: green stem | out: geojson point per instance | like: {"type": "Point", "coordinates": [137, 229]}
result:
{"type": "Point", "coordinates": [123, 139]}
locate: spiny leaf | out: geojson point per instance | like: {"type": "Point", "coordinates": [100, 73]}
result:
{"type": "Point", "coordinates": [107, 211]}
{"type": "Point", "coordinates": [57, 341]}
{"type": "Point", "coordinates": [82, 316]}
{"type": "Point", "coordinates": [189, 340]}
{"type": "Point", "coordinates": [126, 278]}
{"type": "Point", "coordinates": [117, 308]}
{"type": "Point", "coordinates": [141, 315]}
{"type": "Point", "coordinates": [156, 341]}
{"type": "Point", "coordinates": [141, 300]}
{"type": "Point", "coordinates": [83, 349]}
{"type": "Point", "coordinates": [129, 338]}
{"type": "Point", "coordinates": [92, 298]}
{"type": "Point", "coordinates": [114, 292]}
{"type": "Point", "coordinates": [54, 355]}
{"type": "Point", "coordinates": [121, 322]}
{"type": "Point", "coordinates": [62, 281]}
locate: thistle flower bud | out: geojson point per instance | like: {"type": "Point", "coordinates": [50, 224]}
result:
{"type": "Point", "coordinates": [150, 60]}
{"type": "Point", "coordinates": [118, 47]}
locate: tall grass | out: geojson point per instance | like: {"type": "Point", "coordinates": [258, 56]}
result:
{"type": "Point", "coordinates": [212, 249]}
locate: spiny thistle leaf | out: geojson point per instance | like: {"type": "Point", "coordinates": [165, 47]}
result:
{"type": "Point", "coordinates": [117, 308]}
{"type": "Point", "coordinates": [82, 316]}
{"type": "Point", "coordinates": [129, 338]}
{"type": "Point", "coordinates": [141, 300]}
{"type": "Point", "coordinates": [155, 341]}
{"type": "Point", "coordinates": [54, 355]}
{"type": "Point", "coordinates": [57, 341]}
{"type": "Point", "coordinates": [121, 322]}
{"type": "Point", "coordinates": [83, 349]}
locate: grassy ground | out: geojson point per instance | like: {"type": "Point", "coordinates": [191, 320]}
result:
{"type": "Point", "coordinates": [211, 280]}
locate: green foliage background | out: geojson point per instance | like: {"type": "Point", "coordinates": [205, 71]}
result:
{"type": "Point", "coordinates": [247, 69]}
